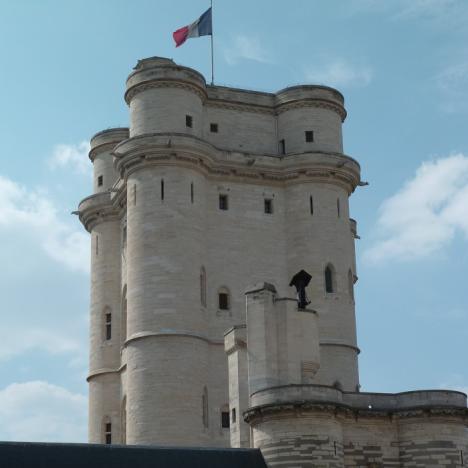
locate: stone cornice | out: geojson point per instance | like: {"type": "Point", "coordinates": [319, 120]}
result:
{"type": "Point", "coordinates": [282, 410]}
{"type": "Point", "coordinates": [101, 149]}
{"type": "Point", "coordinates": [184, 150]}
{"type": "Point", "coordinates": [97, 208]}
{"type": "Point", "coordinates": [318, 103]}
{"type": "Point", "coordinates": [167, 83]}
{"type": "Point", "coordinates": [171, 333]}
{"type": "Point", "coordinates": [105, 371]}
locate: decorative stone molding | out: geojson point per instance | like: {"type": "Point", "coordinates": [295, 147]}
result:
{"type": "Point", "coordinates": [285, 410]}
{"type": "Point", "coordinates": [97, 208]}
{"type": "Point", "coordinates": [155, 84]}
{"type": "Point", "coordinates": [318, 103]}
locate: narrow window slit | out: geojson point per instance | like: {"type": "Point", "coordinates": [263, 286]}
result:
{"type": "Point", "coordinates": [282, 146]}
{"type": "Point", "coordinates": [108, 433]}
{"type": "Point", "coordinates": [108, 326]}
{"type": "Point", "coordinates": [162, 189]}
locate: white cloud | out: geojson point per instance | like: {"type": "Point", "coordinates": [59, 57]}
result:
{"type": "Point", "coordinates": [38, 411]}
{"type": "Point", "coordinates": [74, 157]}
{"type": "Point", "coordinates": [426, 213]}
{"type": "Point", "coordinates": [33, 212]}
{"type": "Point", "coordinates": [15, 342]}
{"type": "Point", "coordinates": [340, 73]}
{"type": "Point", "coordinates": [245, 48]}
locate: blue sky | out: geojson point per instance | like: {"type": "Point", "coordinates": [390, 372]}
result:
{"type": "Point", "coordinates": [403, 68]}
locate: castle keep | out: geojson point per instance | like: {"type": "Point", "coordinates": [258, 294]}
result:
{"type": "Point", "coordinates": [203, 210]}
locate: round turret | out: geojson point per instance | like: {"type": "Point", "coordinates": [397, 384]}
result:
{"type": "Point", "coordinates": [165, 98]}
{"type": "Point", "coordinates": [100, 154]}
{"type": "Point", "coordinates": [309, 119]}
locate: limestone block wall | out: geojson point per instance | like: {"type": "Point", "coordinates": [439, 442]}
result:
{"type": "Point", "coordinates": [236, 349]}
{"type": "Point", "coordinates": [104, 325]}
{"type": "Point", "coordinates": [104, 407]}
{"type": "Point", "coordinates": [102, 145]}
{"type": "Point", "coordinates": [258, 130]}
{"type": "Point", "coordinates": [313, 439]}
{"type": "Point", "coordinates": [318, 235]}
{"type": "Point", "coordinates": [436, 441]}
{"type": "Point", "coordinates": [166, 324]}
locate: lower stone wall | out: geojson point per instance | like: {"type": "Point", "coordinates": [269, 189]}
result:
{"type": "Point", "coordinates": [341, 438]}
{"type": "Point", "coordinates": [432, 441]}
{"type": "Point", "coordinates": [300, 440]}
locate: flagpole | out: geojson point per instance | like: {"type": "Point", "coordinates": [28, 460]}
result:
{"type": "Point", "coordinates": [212, 55]}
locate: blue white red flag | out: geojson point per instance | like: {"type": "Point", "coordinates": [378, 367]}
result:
{"type": "Point", "coordinates": [201, 27]}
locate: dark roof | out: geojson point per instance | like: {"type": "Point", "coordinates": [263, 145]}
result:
{"type": "Point", "coordinates": [45, 455]}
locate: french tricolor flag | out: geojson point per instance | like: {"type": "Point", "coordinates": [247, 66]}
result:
{"type": "Point", "coordinates": [201, 27]}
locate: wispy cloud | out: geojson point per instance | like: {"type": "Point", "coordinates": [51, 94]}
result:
{"type": "Point", "coordinates": [456, 382]}
{"type": "Point", "coordinates": [424, 215]}
{"type": "Point", "coordinates": [16, 342]}
{"type": "Point", "coordinates": [38, 411]}
{"type": "Point", "coordinates": [73, 157]}
{"type": "Point", "coordinates": [453, 84]}
{"type": "Point", "coordinates": [439, 10]}
{"type": "Point", "coordinates": [32, 211]}
{"type": "Point", "coordinates": [409, 9]}
{"type": "Point", "coordinates": [244, 47]}
{"type": "Point", "coordinates": [340, 73]}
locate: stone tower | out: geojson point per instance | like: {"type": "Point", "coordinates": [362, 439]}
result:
{"type": "Point", "coordinates": [210, 190]}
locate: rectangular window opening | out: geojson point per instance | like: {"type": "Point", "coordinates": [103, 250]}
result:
{"type": "Point", "coordinates": [225, 419]}
{"type": "Point", "coordinates": [191, 192]}
{"type": "Point", "coordinates": [223, 202]}
{"type": "Point", "coordinates": [233, 415]}
{"type": "Point", "coordinates": [268, 206]}
{"type": "Point", "coordinates": [162, 189]}
{"type": "Point", "coordinates": [189, 121]}
{"type": "Point", "coordinates": [100, 181]}
{"type": "Point", "coordinates": [311, 201]}
{"type": "Point", "coordinates": [338, 207]}
{"type": "Point", "coordinates": [282, 146]}
{"type": "Point", "coordinates": [223, 301]}
{"type": "Point", "coordinates": [309, 136]}
{"type": "Point", "coordinates": [213, 127]}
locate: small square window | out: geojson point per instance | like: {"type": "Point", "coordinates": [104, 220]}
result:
{"type": "Point", "coordinates": [309, 136]}
{"type": "Point", "coordinates": [100, 181]}
{"type": "Point", "coordinates": [225, 419]}
{"type": "Point", "coordinates": [268, 206]}
{"type": "Point", "coordinates": [223, 301]}
{"type": "Point", "coordinates": [214, 128]}
{"type": "Point", "coordinates": [223, 202]}
{"type": "Point", "coordinates": [188, 121]}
